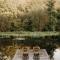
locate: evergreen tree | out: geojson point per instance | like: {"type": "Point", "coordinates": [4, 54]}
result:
{"type": "Point", "coordinates": [51, 16]}
{"type": "Point", "coordinates": [58, 20]}
{"type": "Point", "coordinates": [28, 24]}
{"type": "Point", "coordinates": [12, 27]}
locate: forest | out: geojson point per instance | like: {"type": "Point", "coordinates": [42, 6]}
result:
{"type": "Point", "coordinates": [39, 20]}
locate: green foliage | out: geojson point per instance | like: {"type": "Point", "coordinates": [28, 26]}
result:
{"type": "Point", "coordinates": [12, 28]}
{"type": "Point", "coordinates": [28, 20]}
{"type": "Point", "coordinates": [28, 25]}
{"type": "Point", "coordinates": [58, 20]}
{"type": "Point", "coordinates": [51, 26]}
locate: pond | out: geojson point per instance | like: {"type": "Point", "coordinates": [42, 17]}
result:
{"type": "Point", "coordinates": [56, 55]}
{"type": "Point", "coordinates": [19, 55]}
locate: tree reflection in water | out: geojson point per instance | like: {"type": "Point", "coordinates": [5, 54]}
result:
{"type": "Point", "coordinates": [36, 57]}
{"type": "Point", "coordinates": [25, 57]}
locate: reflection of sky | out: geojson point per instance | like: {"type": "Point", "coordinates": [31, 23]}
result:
{"type": "Point", "coordinates": [17, 55]}
{"type": "Point", "coordinates": [57, 54]}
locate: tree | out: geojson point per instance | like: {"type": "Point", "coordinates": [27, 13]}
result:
{"type": "Point", "coordinates": [12, 27]}
{"type": "Point", "coordinates": [28, 24]}
{"type": "Point", "coordinates": [39, 19]}
{"type": "Point", "coordinates": [58, 20]}
{"type": "Point", "coordinates": [4, 23]}
{"type": "Point", "coordinates": [51, 26]}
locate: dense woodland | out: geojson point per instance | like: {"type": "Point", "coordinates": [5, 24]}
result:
{"type": "Point", "coordinates": [40, 20]}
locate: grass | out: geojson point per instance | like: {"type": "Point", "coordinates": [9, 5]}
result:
{"type": "Point", "coordinates": [28, 34]}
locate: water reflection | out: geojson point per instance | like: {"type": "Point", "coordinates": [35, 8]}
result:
{"type": "Point", "coordinates": [36, 57]}
{"type": "Point", "coordinates": [25, 57]}
{"type": "Point", "coordinates": [17, 55]}
{"type": "Point", "coordinates": [31, 54]}
{"type": "Point", "coordinates": [56, 55]}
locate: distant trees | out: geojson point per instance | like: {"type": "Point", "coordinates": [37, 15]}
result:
{"type": "Point", "coordinates": [24, 20]}
{"type": "Point", "coordinates": [28, 24]}
{"type": "Point", "coordinates": [4, 23]}
{"type": "Point", "coordinates": [52, 20]}
{"type": "Point", "coordinates": [58, 20]}
{"type": "Point", "coordinates": [28, 20]}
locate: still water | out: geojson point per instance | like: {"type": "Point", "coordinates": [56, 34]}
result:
{"type": "Point", "coordinates": [31, 55]}
{"type": "Point", "coordinates": [24, 57]}
{"type": "Point", "coordinates": [17, 55]}
{"type": "Point", "coordinates": [56, 55]}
